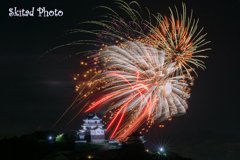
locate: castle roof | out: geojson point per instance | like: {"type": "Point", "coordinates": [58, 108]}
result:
{"type": "Point", "coordinates": [92, 116]}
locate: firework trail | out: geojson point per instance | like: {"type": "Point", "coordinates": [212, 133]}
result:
{"type": "Point", "coordinates": [142, 87]}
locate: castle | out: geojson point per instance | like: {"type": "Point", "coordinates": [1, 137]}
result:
{"type": "Point", "coordinates": [92, 130]}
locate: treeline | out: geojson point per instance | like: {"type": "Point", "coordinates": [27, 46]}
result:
{"type": "Point", "coordinates": [33, 146]}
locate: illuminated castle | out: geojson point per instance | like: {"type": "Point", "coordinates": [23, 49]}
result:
{"type": "Point", "coordinates": [93, 130]}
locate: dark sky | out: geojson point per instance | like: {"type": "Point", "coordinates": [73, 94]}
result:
{"type": "Point", "coordinates": [38, 90]}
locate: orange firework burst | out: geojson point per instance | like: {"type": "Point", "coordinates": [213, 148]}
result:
{"type": "Point", "coordinates": [177, 36]}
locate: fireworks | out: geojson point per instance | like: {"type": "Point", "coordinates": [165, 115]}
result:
{"type": "Point", "coordinates": [178, 36]}
{"type": "Point", "coordinates": [113, 28]}
{"type": "Point", "coordinates": [116, 28]}
{"type": "Point", "coordinates": [143, 68]}
{"type": "Point", "coordinates": [145, 87]}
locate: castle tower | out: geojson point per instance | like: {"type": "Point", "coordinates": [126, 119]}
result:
{"type": "Point", "coordinates": [92, 129]}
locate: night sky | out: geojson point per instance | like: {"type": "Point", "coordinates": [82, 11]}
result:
{"type": "Point", "coordinates": [37, 90]}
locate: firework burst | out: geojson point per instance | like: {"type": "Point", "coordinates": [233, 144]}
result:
{"type": "Point", "coordinates": [142, 87]}
{"type": "Point", "coordinates": [178, 36]}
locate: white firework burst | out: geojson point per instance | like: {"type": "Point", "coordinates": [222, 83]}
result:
{"type": "Point", "coordinates": [140, 69]}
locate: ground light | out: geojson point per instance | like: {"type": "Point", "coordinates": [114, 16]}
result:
{"type": "Point", "coordinates": [162, 152]}
{"type": "Point", "coordinates": [59, 138]}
